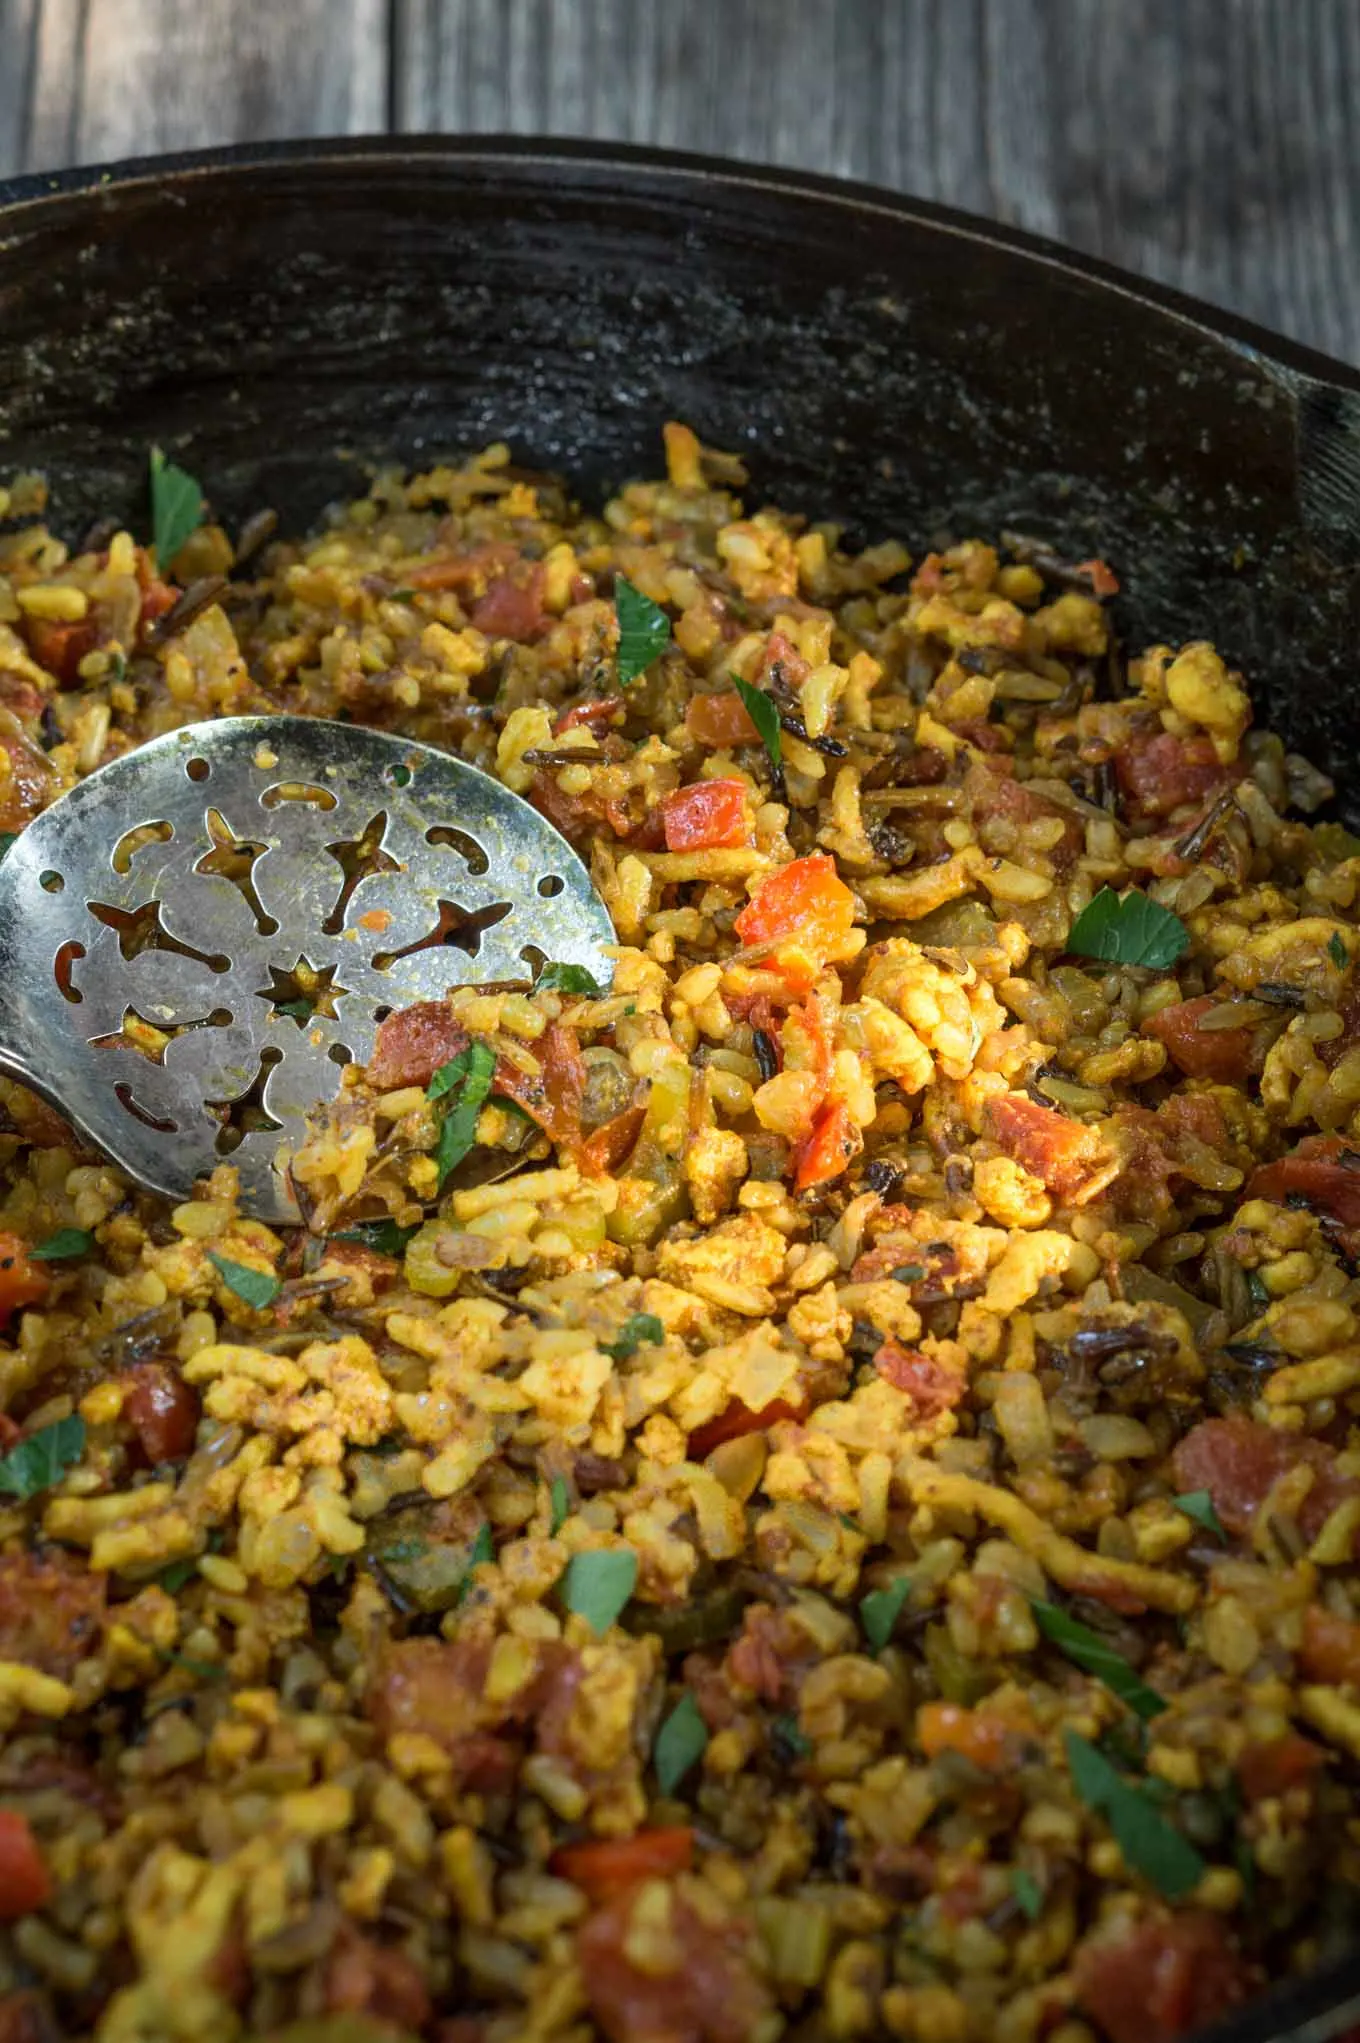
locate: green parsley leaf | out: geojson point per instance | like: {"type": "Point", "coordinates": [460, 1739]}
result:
{"type": "Point", "coordinates": [1199, 1505]}
{"type": "Point", "coordinates": [680, 1744]}
{"type": "Point", "coordinates": [257, 1288]}
{"type": "Point", "coordinates": [1087, 1649]}
{"type": "Point", "coordinates": [1027, 1892]}
{"type": "Point", "coordinates": [597, 1585]}
{"type": "Point", "coordinates": [1129, 931]}
{"type": "Point", "coordinates": [1337, 952]}
{"type": "Point", "coordinates": [63, 1246]}
{"type": "Point", "coordinates": [176, 508]}
{"type": "Point", "coordinates": [560, 1504]}
{"type": "Point", "coordinates": [908, 1273]}
{"type": "Point", "coordinates": [8, 839]}
{"type": "Point", "coordinates": [637, 1328]}
{"type": "Point", "coordinates": [173, 1578]}
{"type": "Point", "coordinates": [568, 979]}
{"type": "Point", "coordinates": [466, 1083]}
{"type": "Point", "coordinates": [880, 1610]}
{"type": "Point", "coordinates": [765, 716]}
{"type": "Point", "coordinates": [1149, 1844]}
{"type": "Point", "coordinates": [793, 1741]}
{"type": "Point", "coordinates": [41, 1460]}
{"type": "Point", "coordinates": [644, 630]}
{"type": "Point", "coordinates": [384, 1236]}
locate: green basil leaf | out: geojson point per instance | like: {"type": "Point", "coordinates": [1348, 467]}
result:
{"type": "Point", "coordinates": [40, 1461]}
{"type": "Point", "coordinates": [1134, 930]}
{"type": "Point", "coordinates": [637, 1328]}
{"type": "Point", "coordinates": [765, 716]}
{"type": "Point", "coordinates": [176, 508]}
{"type": "Point", "coordinates": [1199, 1505]}
{"type": "Point", "coordinates": [1149, 1844]}
{"type": "Point", "coordinates": [63, 1246]}
{"type": "Point", "coordinates": [880, 1610]}
{"type": "Point", "coordinates": [787, 1734]}
{"type": "Point", "coordinates": [560, 1498]}
{"type": "Point", "coordinates": [680, 1744]}
{"type": "Point", "coordinates": [1027, 1892]}
{"type": "Point", "coordinates": [256, 1288]}
{"type": "Point", "coordinates": [298, 1010]}
{"type": "Point", "coordinates": [568, 979]}
{"type": "Point", "coordinates": [1087, 1649]}
{"type": "Point", "coordinates": [598, 1585]}
{"type": "Point", "coordinates": [384, 1236]}
{"type": "Point", "coordinates": [1337, 952]}
{"type": "Point", "coordinates": [465, 1082]}
{"type": "Point", "coordinates": [644, 630]}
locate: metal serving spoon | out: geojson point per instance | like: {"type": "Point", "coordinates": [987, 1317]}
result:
{"type": "Point", "coordinates": [199, 937]}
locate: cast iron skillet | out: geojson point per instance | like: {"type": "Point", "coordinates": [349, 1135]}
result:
{"type": "Point", "coordinates": [282, 315]}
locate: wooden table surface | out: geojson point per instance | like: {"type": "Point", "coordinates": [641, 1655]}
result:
{"type": "Point", "coordinates": [1212, 143]}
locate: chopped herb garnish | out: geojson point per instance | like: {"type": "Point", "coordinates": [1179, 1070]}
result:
{"type": "Point", "coordinates": [909, 1273]}
{"type": "Point", "coordinates": [880, 1610]}
{"type": "Point", "coordinates": [597, 1585]}
{"type": "Point", "coordinates": [1337, 952]}
{"type": "Point", "coordinates": [637, 1328]}
{"type": "Point", "coordinates": [560, 1505]}
{"type": "Point", "coordinates": [568, 979]}
{"type": "Point", "coordinates": [256, 1288]}
{"type": "Point", "coordinates": [8, 839]}
{"type": "Point", "coordinates": [1027, 1892]}
{"type": "Point", "coordinates": [790, 1739]}
{"type": "Point", "coordinates": [206, 1670]}
{"type": "Point", "coordinates": [382, 1235]}
{"type": "Point", "coordinates": [296, 1010]}
{"type": "Point", "coordinates": [644, 630]}
{"type": "Point", "coordinates": [680, 1744]}
{"type": "Point", "coordinates": [1133, 930]}
{"type": "Point", "coordinates": [850, 1524]}
{"type": "Point", "coordinates": [1087, 1649]}
{"type": "Point", "coordinates": [173, 1578]}
{"type": "Point", "coordinates": [1149, 1844]}
{"type": "Point", "coordinates": [483, 1548]}
{"type": "Point", "coordinates": [764, 714]}
{"type": "Point", "coordinates": [1199, 1505]}
{"type": "Point", "coordinates": [42, 1460]}
{"type": "Point", "coordinates": [339, 1565]}
{"type": "Point", "coordinates": [63, 1246]}
{"type": "Point", "coordinates": [464, 1083]}
{"type": "Point", "coordinates": [1257, 1293]}
{"type": "Point", "coordinates": [176, 508]}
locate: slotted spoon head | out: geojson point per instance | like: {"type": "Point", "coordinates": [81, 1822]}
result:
{"type": "Point", "coordinates": [198, 938]}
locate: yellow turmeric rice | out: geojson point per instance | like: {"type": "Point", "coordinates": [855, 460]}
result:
{"type": "Point", "coordinates": [811, 1491]}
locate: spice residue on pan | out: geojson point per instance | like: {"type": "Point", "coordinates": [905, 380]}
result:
{"type": "Point", "coordinates": [815, 1491]}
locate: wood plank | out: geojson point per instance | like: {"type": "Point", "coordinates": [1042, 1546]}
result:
{"type": "Point", "coordinates": [1214, 144]}
{"type": "Point", "coordinates": [130, 77]}
{"type": "Point", "coordinates": [18, 32]}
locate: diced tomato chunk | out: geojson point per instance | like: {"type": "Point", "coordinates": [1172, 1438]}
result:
{"type": "Point", "coordinates": [931, 1387]}
{"type": "Point", "coordinates": [1317, 1171]}
{"type": "Point", "coordinates": [59, 647]}
{"type": "Point", "coordinates": [592, 714]}
{"type": "Point", "coordinates": [411, 1046]}
{"type": "Point", "coordinates": [1221, 1054]}
{"type": "Point", "coordinates": [162, 1410]}
{"type": "Point", "coordinates": [1159, 774]}
{"type": "Point", "coordinates": [1331, 1648]}
{"type": "Point", "coordinates": [738, 1419]}
{"type": "Point", "coordinates": [1048, 1144]}
{"type": "Point", "coordinates": [602, 1866]}
{"type": "Point", "coordinates": [1164, 1976]}
{"type": "Point", "coordinates": [468, 573]}
{"type": "Point", "coordinates": [720, 720]}
{"type": "Point", "coordinates": [707, 816]}
{"type": "Point", "coordinates": [1239, 1462]}
{"type": "Point", "coordinates": [991, 1740]}
{"type": "Point", "coordinates": [158, 598]}
{"type": "Point", "coordinates": [51, 1611]}
{"type": "Point", "coordinates": [1284, 1763]}
{"type": "Point", "coordinates": [513, 606]}
{"type": "Point", "coordinates": [830, 1149]}
{"type": "Point", "coordinates": [709, 1994]}
{"type": "Point", "coordinates": [25, 1883]}
{"type": "Point", "coordinates": [806, 909]}
{"type": "Point", "coordinates": [22, 1282]}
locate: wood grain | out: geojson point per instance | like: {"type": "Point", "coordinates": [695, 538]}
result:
{"type": "Point", "coordinates": [131, 77]}
{"type": "Point", "coordinates": [1214, 144]}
